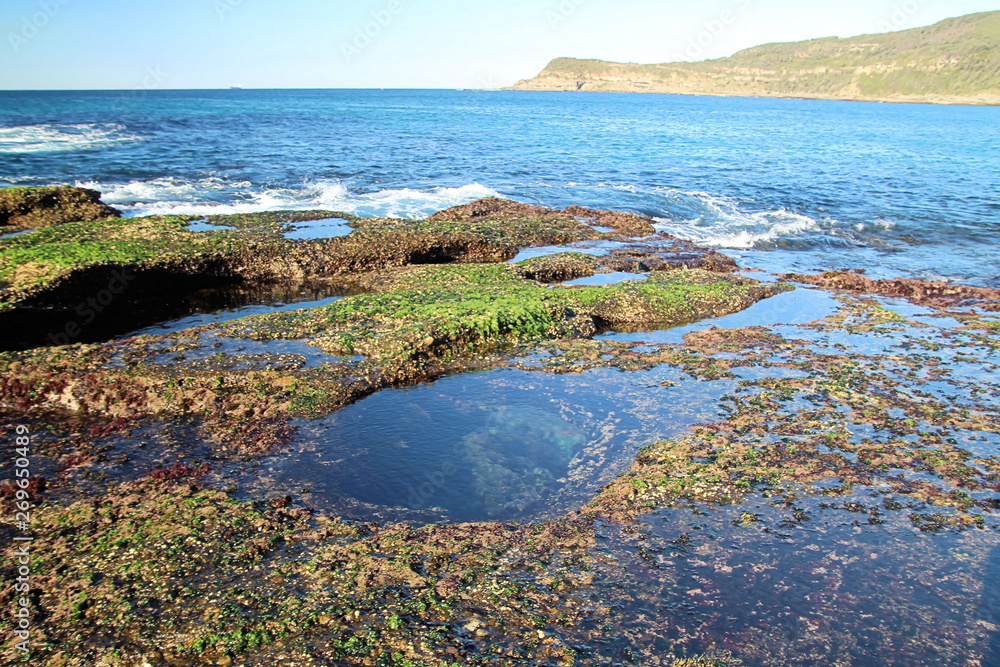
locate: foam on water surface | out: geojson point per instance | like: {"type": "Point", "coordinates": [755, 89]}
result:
{"type": "Point", "coordinates": [63, 137]}
{"type": "Point", "coordinates": [217, 195]}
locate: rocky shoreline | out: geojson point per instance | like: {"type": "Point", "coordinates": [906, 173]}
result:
{"type": "Point", "coordinates": [147, 551]}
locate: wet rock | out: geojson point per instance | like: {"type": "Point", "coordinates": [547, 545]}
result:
{"type": "Point", "coordinates": [938, 294]}
{"type": "Point", "coordinates": [491, 207]}
{"type": "Point", "coordinates": [623, 223]}
{"type": "Point", "coordinates": [559, 267]}
{"type": "Point", "coordinates": [638, 258]}
{"type": "Point", "coordinates": [32, 208]}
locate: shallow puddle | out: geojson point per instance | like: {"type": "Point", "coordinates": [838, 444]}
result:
{"type": "Point", "coordinates": [244, 354]}
{"type": "Point", "coordinates": [231, 302]}
{"type": "Point", "coordinates": [204, 225]}
{"type": "Point", "coordinates": [816, 581]}
{"type": "Point", "coordinates": [82, 457]}
{"type": "Point", "coordinates": [612, 278]}
{"type": "Point", "coordinates": [596, 248]}
{"type": "Point", "coordinates": [328, 228]}
{"type": "Point", "coordinates": [11, 235]}
{"type": "Point", "coordinates": [798, 307]}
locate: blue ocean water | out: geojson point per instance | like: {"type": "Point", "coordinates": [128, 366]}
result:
{"type": "Point", "coordinates": [899, 190]}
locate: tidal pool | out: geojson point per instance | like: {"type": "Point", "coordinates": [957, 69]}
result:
{"type": "Point", "coordinates": [596, 248]}
{"type": "Point", "coordinates": [804, 581]}
{"type": "Point", "coordinates": [493, 445]}
{"type": "Point", "coordinates": [612, 278]}
{"type": "Point", "coordinates": [800, 306]}
{"type": "Point", "coordinates": [328, 228]}
{"type": "Point", "coordinates": [230, 302]}
{"type": "Point", "coordinates": [204, 225]}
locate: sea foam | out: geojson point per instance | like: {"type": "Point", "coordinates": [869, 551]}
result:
{"type": "Point", "coordinates": [49, 138]}
{"type": "Point", "coordinates": [718, 222]}
{"type": "Point", "coordinates": [213, 195]}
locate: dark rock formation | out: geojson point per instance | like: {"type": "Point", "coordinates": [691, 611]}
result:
{"type": "Point", "coordinates": [938, 294]}
{"type": "Point", "coordinates": [623, 224]}
{"type": "Point", "coordinates": [31, 208]}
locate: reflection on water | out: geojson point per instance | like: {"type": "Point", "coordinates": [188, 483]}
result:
{"type": "Point", "coordinates": [328, 228]}
{"type": "Point", "coordinates": [991, 606]}
{"type": "Point", "coordinates": [812, 582]}
{"type": "Point", "coordinates": [11, 235]}
{"type": "Point", "coordinates": [164, 305]}
{"type": "Point", "coordinates": [612, 278]}
{"type": "Point", "coordinates": [204, 225]}
{"type": "Point", "coordinates": [231, 302]}
{"type": "Point", "coordinates": [789, 308]}
{"type": "Point", "coordinates": [596, 248]}
{"type": "Point", "coordinates": [504, 444]}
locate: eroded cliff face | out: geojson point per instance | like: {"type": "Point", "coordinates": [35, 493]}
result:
{"type": "Point", "coordinates": [956, 61]}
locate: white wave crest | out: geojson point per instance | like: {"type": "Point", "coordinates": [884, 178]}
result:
{"type": "Point", "coordinates": [717, 222]}
{"type": "Point", "coordinates": [219, 196]}
{"type": "Point", "coordinates": [49, 138]}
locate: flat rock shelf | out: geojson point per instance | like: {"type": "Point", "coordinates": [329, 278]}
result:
{"type": "Point", "coordinates": [501, 435]}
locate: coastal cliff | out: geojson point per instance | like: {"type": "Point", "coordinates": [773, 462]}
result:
{"type": "Point", "coordinates": [956, 61]}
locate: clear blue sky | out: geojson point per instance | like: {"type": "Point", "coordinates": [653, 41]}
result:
{"type": "Point", "coordinates": [128, 44]}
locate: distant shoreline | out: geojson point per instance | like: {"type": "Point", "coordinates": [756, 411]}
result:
{"type": "Point", "coordinates": [954, 62]}
{"type": "Point", "coordinates": [972, 102]}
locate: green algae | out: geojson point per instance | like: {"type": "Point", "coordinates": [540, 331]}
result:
{"type": "Point", "coordinates": [195, 576]}
{"type": "Point", "coordinates": [558, 266]}
{"type": "Point", "coordinates": [463, 309]}
{"type": "Point", "coordinates": [51, 259]}
{"type": "Point", "coordinates": [134, 241]}
{"type": "Point", "coordinates": [49, 252]}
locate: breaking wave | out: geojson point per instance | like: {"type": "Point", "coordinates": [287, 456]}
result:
{"type": "Point", "coordinates": [215, 195]}
{"type": "Point", "coordinates": [51, 138]}
{"type": "Point", "coordinates": [717, 222]}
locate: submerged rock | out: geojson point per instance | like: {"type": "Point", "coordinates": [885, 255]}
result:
{"type": "Point", "coordinates": [32, 208]}
{"type": "Point", "coordinates": [519, 457]}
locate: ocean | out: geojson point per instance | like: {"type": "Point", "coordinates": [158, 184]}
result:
{"type": "Point", "coordinates": [816, 476]}
{"type": "Point", "coordinates": [782, 185]}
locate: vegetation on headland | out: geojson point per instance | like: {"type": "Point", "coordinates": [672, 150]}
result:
{"type": "Point", "coordinates": [956, 61]}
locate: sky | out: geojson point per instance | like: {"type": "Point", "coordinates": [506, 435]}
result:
{"type": "Point", "coordinates": [182, 44]}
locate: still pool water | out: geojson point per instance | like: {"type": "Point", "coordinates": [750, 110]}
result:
{"type": "Point", "coordinates": [492, 445]}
